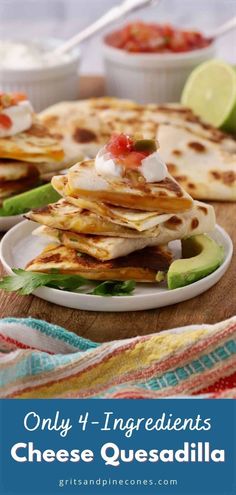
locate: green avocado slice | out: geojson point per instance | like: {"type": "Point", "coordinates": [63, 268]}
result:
{"type": "Point", "coordinates": [3, 213]}
{"type": "Point", "coordinates": [35, 198]}
{"type": "Point", "coordinates": [201, 256]}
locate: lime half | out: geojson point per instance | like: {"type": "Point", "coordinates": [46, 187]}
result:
{"type": "Point", "coordinates": [210, 92]}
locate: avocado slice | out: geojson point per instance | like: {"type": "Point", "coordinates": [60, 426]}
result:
{"type": "Point", "coordinates": [3, 213]}
{"type": "Point", "coordinates": [35, 198]}
{"type": "Point", "coordinates": [201, 256]}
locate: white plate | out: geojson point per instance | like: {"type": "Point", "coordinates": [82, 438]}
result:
{"type": "Point", "coordinates": [7, 223]}
{"type": "Point", "coordinates": [18, 247]}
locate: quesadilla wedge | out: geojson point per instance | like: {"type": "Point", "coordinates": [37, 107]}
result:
{"type": "Point", "coordinates": [165, 196]}
{"type": "Point", "coordinates": [200, 166]}
{"type": "Point", "coordinates": [63, 216]}
{"type": "Point", "coordinates": [11, 188]}
{"type": "Point", "coordinates": [142, 221]}
{"type": "Point", "coordinates": [141, 266]}
{"type": "Point", "coordinates": [100, 247]}
{"type": "Point", "coordinates": [201, 220]}
{"type": "Point", "coordinates": [36, 144]}
{"type": "Point", "coordinates": [86, 125]}
{"type": "Point", "coordinates": [11, 170]}
{"type": "Point", "coordinates": [134, 219]}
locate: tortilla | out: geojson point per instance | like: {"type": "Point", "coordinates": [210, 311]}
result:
{"type": "Point", "coordinates": [11, 188]}
{"type": "Point", "coordinates": [101, 247]}
{"type": "Point", "coordinates": [202, 168]}
{"type": "Point", "coordinates": [134, 219]}
{"type": "Point", "coordinates": [11, 170]}
{"type": "Point", "coordinates": [85, 126]}
{"type": "Point", "coordinates": [36, 144]}
{"type": "Point", "coordinates": [142, 221]}
{"type": "Point", "coordinates": [141, 266]}
{"type": "Point", "coordinates": [165, 196]}
{"type": "Point", "coordinates": [64, 216]}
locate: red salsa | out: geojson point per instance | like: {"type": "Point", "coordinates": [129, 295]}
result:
{"type": "Point", "coordinates": [129, 152]}
{"type": "Point", "coordinates": [140, 37]}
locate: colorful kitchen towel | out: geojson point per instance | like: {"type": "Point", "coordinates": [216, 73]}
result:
{"type": "Point", "coordinates": [41, 360]}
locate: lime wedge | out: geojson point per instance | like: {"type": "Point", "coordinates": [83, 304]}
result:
{"type": "Point", "coordinates": [210, 92]}
{"type": "Point", "coordinates": [35, 198]}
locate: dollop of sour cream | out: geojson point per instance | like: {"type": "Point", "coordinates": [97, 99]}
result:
{"type": "Point", "coordinates": [27, 55]}
{"type": "Point", "coordinates": [21, 116]}
{"type": "Point", "coordinates": [152, 168]}
{"type": "Point", "coordinates": [106, 166]}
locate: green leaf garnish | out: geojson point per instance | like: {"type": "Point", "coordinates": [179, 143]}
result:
{"type": "Point", "coordinates": [113, 288]}
{"type": "Point", "coordinates": [26, 282]}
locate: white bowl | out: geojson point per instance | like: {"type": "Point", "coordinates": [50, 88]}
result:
{"type": "Point", "coordinates": [150, 77]}
{"type": "Point", "coordinates": [48, 85]}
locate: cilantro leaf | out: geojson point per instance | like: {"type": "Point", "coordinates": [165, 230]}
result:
{"type": "Point", "coordinates": [26, 282]}
{"type": "Point", "coordinates": [114, 288]}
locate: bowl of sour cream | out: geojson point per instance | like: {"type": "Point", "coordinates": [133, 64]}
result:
{"type": "Point", "coordinates": [32, 68]}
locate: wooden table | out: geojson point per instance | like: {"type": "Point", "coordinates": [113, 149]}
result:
{"type": "Point", "coordinates": [214, 305]}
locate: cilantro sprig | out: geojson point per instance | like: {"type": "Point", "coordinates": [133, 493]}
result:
{"type": "Point", "coordinates": [25, 282]}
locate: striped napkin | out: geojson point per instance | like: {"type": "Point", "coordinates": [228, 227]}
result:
{"type": "Point", "coordinates": [41, 360]}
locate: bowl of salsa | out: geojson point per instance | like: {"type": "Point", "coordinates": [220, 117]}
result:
{"type": "Point", "coordinates": [150, 62]}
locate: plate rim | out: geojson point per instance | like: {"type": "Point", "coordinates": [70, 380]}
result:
{"type": "Point", "coordinates": [51, 290]}
{"type": "Point", "coordinates": [10, 221]}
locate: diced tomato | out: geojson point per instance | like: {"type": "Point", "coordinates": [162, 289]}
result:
{"type": "Point", "coordinates": [133, 159]}
{"type": "Point", "coordinates": [122, 148]}
{"type": "Point", "coordinates": [5, 121]}
{"type": "Point", "coordinates": [119, 144]}
{"type": "Point", "coordinates": [143, 37]}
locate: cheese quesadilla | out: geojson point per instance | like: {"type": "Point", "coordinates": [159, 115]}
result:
{"type": "Point", "coordinates": [101, 247]}
{"type": "Point", "coordinates": [100, 241]}
{"type": "Point", "coordinates": [134, 219]}
{"type": "Point", "coordinates": [142, 221]}
{"type": "Point", "coordinates": [27, 147]}
{"type": "Point", "coordinates": [12, 187]}
{"type": "Point", "coordinates": [165, 196]}
{"type": "Point", "coordinates": [11, 170]}
{"type": "Point", "coordinates": [86, 125]}
{"type": "Point", "coordinates": [62, 215]}
{"type": "Point", "coordinates": [141, 266]}
{"type": "Point", "coordinates": [199, 220]}
{"type": "Point", "coordinates": [200, 166]}
{"type": "Point", "coordinates": [65, 217]}
{"type": "Point", "coordinates": [36, 144]}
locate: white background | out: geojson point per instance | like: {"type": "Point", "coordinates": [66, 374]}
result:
{"type": "Point", "coordinates": [63, 18]}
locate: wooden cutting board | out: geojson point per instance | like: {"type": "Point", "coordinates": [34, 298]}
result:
{"type": "Point", "coordinates": [214, 305]}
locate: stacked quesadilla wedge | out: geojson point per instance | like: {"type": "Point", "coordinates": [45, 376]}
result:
{"type": "Point", "coordinates": [200, 157]}
{"type": "Point", "coordinates": [117, 215]}
{"type": "Point", "coordinates": [27, 148]}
